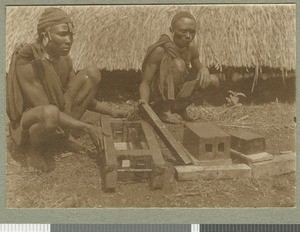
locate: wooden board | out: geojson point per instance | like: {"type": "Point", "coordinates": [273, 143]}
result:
{"type": "Point", "coordinates": [232, 171]}
{"type": "Point", "coordinates": [173, 144]}
{"type": "Point", "coordinates": [110, 162]}
{"type": "Point", "coordinates": [254, 158]}
{"type": "Point", "coordinates": [158, 169]}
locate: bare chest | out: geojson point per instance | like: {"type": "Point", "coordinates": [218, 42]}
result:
{"type": "Point", "coordinates": [186, 56]}
{"type": "Point", "coordinates": [62, 69]}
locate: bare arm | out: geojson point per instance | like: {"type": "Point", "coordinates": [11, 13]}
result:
{"type": "Point", "coordinates": [196, 64]}
{"type": "Point", "coordinates": [199, 69]}
{"type": "Point", "coordinates": [34, 92]}
{"type": "Point", "coordinates": [151, 67]}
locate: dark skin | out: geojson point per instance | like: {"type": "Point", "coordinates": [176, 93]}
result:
{"type": "Point", "coordinates": [183, 32]}
{"type": "Point", "coordinates": [60, 40]}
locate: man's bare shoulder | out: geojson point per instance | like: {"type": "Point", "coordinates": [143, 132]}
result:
{"type": "Point", "coordinates": [156, 55]}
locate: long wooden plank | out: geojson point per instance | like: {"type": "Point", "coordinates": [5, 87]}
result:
{"type": "Point", "coordinates": [110, 162]}
{"type": "Point", "coordinates": [232, 171]}
{"type": "Point", "coordinates": [174, 145]}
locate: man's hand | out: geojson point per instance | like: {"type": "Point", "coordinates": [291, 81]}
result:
{"type": "Point", "coordinates": [96, 135]}
{"type": "Point", "coordinates": [204, 77]}
{"type": "Point", "coordinates": [141, 101]}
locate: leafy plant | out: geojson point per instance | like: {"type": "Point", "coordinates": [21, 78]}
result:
{"type": "Point", "coordinates": [234, 98]}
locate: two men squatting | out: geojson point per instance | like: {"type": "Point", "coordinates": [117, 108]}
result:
{"type": "Point", "coordinates": [46, 98]}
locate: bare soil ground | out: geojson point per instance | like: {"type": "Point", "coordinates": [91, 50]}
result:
{"type": "Point", "coordinates": [75, 180]}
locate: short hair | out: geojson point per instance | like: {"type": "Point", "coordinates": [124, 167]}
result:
{"type": "Point", "coordinates": [181, 14]}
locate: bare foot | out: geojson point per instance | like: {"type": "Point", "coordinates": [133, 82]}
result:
{"type": "Point", "coordinates": [168, 117]}
{"type": "Point", "coordinates": [36, 160]}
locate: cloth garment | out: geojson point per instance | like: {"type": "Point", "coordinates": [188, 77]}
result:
{"type": "Point", "coordinates": [53, 16]}
{"type": "Point", "coordinates": [15, 101]}
{"type": "Point", "coordinates": [162, 86]}
{"type": "Point", "coordinates": [46, 74]}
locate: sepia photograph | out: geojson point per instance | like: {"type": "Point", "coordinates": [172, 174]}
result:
{"type": "Point", "coordinates": [151, 106]}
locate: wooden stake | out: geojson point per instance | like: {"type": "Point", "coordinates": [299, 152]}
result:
{"type": "Point", "coordinates": [173, 144]}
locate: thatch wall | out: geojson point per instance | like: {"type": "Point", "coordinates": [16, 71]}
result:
{"type": "Point", "coordinates": [116, 37]}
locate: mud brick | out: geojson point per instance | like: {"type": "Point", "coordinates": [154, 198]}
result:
{"type": "Point", "coordinates": [247, 142]}
{"type": "Point", "coordinates": [232, 171]}
{"type": "Point", "coordinates": [281, 164]}
{"type": "Point", "coordinates": [131, 153]}
{"type": "Point", "coordinates": [254, 158]}
{"type": "Point", "coordinates": [207, 142]}
{"type": "Point", "coordinates": [212, 162]}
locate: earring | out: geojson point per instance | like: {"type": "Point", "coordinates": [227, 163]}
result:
{"type": "Point", "coordinates": [45, 41]}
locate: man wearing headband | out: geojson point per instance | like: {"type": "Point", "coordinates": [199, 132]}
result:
{"type": "Point", "coordinates": [171, 70]}
{"type": "Point", "coordinates": [45, 98]}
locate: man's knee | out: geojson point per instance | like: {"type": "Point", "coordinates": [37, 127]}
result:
{"type": "Point", "coordinates": [93, 72]}
{"type": "Point", "coordinates": [49, 117]}
{"type": "Point", "coordinates": [179, 65]}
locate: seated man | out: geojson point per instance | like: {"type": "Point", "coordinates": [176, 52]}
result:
{"type": "Point", "coordinates": [171, 70]}
{"type": "Point", "coordinates": [45, 98]}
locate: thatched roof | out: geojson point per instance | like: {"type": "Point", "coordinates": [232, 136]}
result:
{"type": "Point", "coordinates": [116, 37]}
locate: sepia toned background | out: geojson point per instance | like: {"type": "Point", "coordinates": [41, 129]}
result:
{"type": "Point", "coordinates": [110, 62]}
{"type": "Point", "coordinates": [116, 37]}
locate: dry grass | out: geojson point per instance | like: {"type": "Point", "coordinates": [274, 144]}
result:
{"type": "Point", "coordinates": [266, 118]}
{"type": "Point", "coordinates": [116, 37]}
{"type": "Point", "coordinates": [75, 180]}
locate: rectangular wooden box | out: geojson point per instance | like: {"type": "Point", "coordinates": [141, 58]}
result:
{"type": "Point", "coordinates": [131, 153]}
{"type": "Point", "coordinates": [207, 142]}
{"type": "Point", "coordinates": [246, 142]}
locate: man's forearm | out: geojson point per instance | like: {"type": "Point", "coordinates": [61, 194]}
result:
{"type": "Point", "coordinates": [144, 91]}
{"type": "Point", "coordinates": [195, 71]}
{"type": "Point", "coordinates": [72, 123]}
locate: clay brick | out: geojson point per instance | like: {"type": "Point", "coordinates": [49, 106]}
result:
{"type": "Point", "coordinates": [213, 162]}
{"type": "Point", "coordinates": [281, 164]}
{"type": "Point", "coordinates": [206, 142]}
{"type": "Point", "coordinates": [246, 142]}
{"type": "Point", "coordinates": [233, 171]}
{"type": "Point", "coordinates": [254, 158]}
